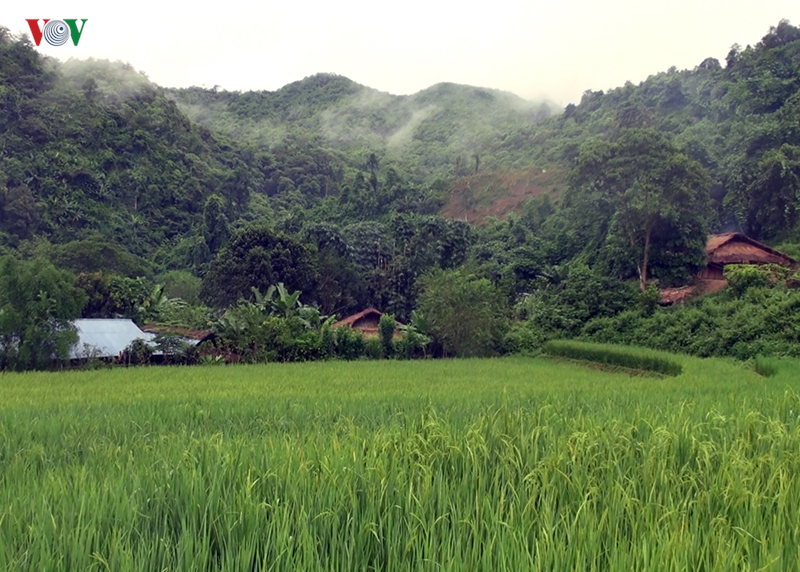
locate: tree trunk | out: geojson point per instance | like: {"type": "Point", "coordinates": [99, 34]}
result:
{"type": "Point", "coordinates": [645, 260]}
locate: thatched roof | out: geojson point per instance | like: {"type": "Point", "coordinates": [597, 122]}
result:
{"type": "Point", "coordinates": [361, 316]}
{"type": "Point", "coordinates": [365, 321]}
{"type": "Point", "coordinates": [670, 296]}
{"type": "Point", "coordinates": [737, 248]}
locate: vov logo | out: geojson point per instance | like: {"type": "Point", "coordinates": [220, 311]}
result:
{"type": "Point", "coordinates": [56, 32]}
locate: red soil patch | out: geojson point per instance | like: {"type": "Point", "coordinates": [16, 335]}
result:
{"type": "Point", "coordinates": [498, 193]}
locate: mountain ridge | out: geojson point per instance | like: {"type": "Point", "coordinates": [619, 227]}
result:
{"type": "Point", "coordinates": [90, 146]}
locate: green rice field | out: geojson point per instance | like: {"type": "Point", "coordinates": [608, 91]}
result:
{"type": "Point", "coordinates": [505, 464]}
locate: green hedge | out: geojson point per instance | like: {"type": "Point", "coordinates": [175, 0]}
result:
{"type": "Point", "coordinates": [634, 358]}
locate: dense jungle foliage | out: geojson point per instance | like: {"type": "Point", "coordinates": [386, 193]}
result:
{"type": "Point", "coordinates": [179, 205]}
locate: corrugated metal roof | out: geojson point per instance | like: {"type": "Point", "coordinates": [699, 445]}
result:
{"type": "Point", "coordinates": [104, 338]}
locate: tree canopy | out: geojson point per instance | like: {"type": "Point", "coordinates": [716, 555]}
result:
{"type": "Point", "coordinates": [258, 258]}
{"type": "Point", "coordinates": [37, 302]}
{"type": "Point", "coordinates": [652, 199]}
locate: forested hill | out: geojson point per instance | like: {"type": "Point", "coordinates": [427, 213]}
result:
{"type": "Point", "coordinates": [94, 149]}
{"type": "Point", "coordinates": [436, 132]}
{"type": "Point", "coordinates": [337, 191]}
{"type": "Point", "coordinates": [737, 118]}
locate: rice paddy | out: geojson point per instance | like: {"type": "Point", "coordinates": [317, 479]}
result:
{"type": "Point", "coordinates": [507, 464]}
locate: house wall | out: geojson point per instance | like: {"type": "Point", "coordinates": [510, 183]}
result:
{"type": "Point", "coordinates": [369, 322]}
{"type": "Point", "coordinates": [711, 272]}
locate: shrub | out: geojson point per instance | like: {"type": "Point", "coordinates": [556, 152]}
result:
{"type": "Point", "coordinates": [523, 338]}
{"type": "Point", "coordinates": [288, 339]}
{"type": "Point", "coordinates": [349, 344]}
{"type": "Point", "coordinates": [761, 321]}
{"type": "Point", "coordinates": [742, 277]}
{"type": "Point", "coordinates": [137, 353]}
{"type": "Point", "coordinates": [373, 348]}
{"type": "Point", "coordinates": [386, 328]}
{"type": "Point", "coordinates": [209, 359]}
{"type": "Point", "coordinates": [327, 341]}
{"type": "Point", "coordinates": [410, 345]}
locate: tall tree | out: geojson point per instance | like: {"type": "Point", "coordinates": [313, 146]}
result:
{"type": "Point", "coordinates": [466, 313]}
{"type": "Point", "coordinates": [765, 196]}
{"type": "Point", "coordinates": [258, 257]}
{"type": "Point", "coordinates": [36, 304]}
{"type": "Point", "coordinates": [652, 192]}
{"type": "Point", "coordinates": [215, 224]}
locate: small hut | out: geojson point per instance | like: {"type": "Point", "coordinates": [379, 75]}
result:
{"type": "Point", "coordinates": [366, 322]}
{"type": "Point", "coordinates": [104, 338]}
{"type": "Point", "coordinates": [721, 250]}
{"type": "Point", "coordinates": [737, 248]}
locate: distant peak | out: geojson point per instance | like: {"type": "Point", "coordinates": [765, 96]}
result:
{"type": "Point", "coordinates": [321, 80]}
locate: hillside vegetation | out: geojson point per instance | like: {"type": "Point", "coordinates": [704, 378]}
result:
{"type": "Point", "coordinates": [736, 118]}
{"type": "Point", "coordinates": [179, 205]}
{"type": "Point", "coordinates": [435, 132]}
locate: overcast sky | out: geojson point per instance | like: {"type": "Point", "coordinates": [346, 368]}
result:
{"type": "Point", "coordinates": [531, 48]}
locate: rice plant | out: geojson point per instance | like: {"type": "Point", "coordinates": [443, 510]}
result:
{"type": "Point", "coordinates": [504, 464]}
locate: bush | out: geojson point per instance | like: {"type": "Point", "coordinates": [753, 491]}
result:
{"type": "Point", "coordinates": [761, 321]}
{"type": "Point", "coordinates": [349, 344]}
{"type": "Point", "coordinates": [633, 358]}
{"type": "Point", "coordinates": [175, 350]}
{"type": "Point", "coordinates": [139, 352]}
{"type": "Point", "coordinates": [523, 338]}
{"type": "Point", "coordinates": [287, 340]}
{"type": "Point", "coordinates": [561, 310]}
{"type": "Point", "coordinates": [386, 328]}
{"type": "Point", "coordinates": [373, 348]}
{"type": "Point", "coordinates": [410, 345]}
{"type": "Point", "coordinates": [742, 277]}
{"type": "Point", "coordinates": [327, 341]}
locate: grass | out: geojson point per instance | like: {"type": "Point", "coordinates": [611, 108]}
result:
{"type": "Point", "coordinates": [462, 465]}
{"type": "Point", "coordinates": [616, 356]}
{"type": "Point", "coordinates": [766, 366]}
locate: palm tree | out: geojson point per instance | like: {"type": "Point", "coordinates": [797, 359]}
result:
{"type": "Point", "coordinates": [286, 304]}
{"type": "Point", "coordinates": [157, 302]}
